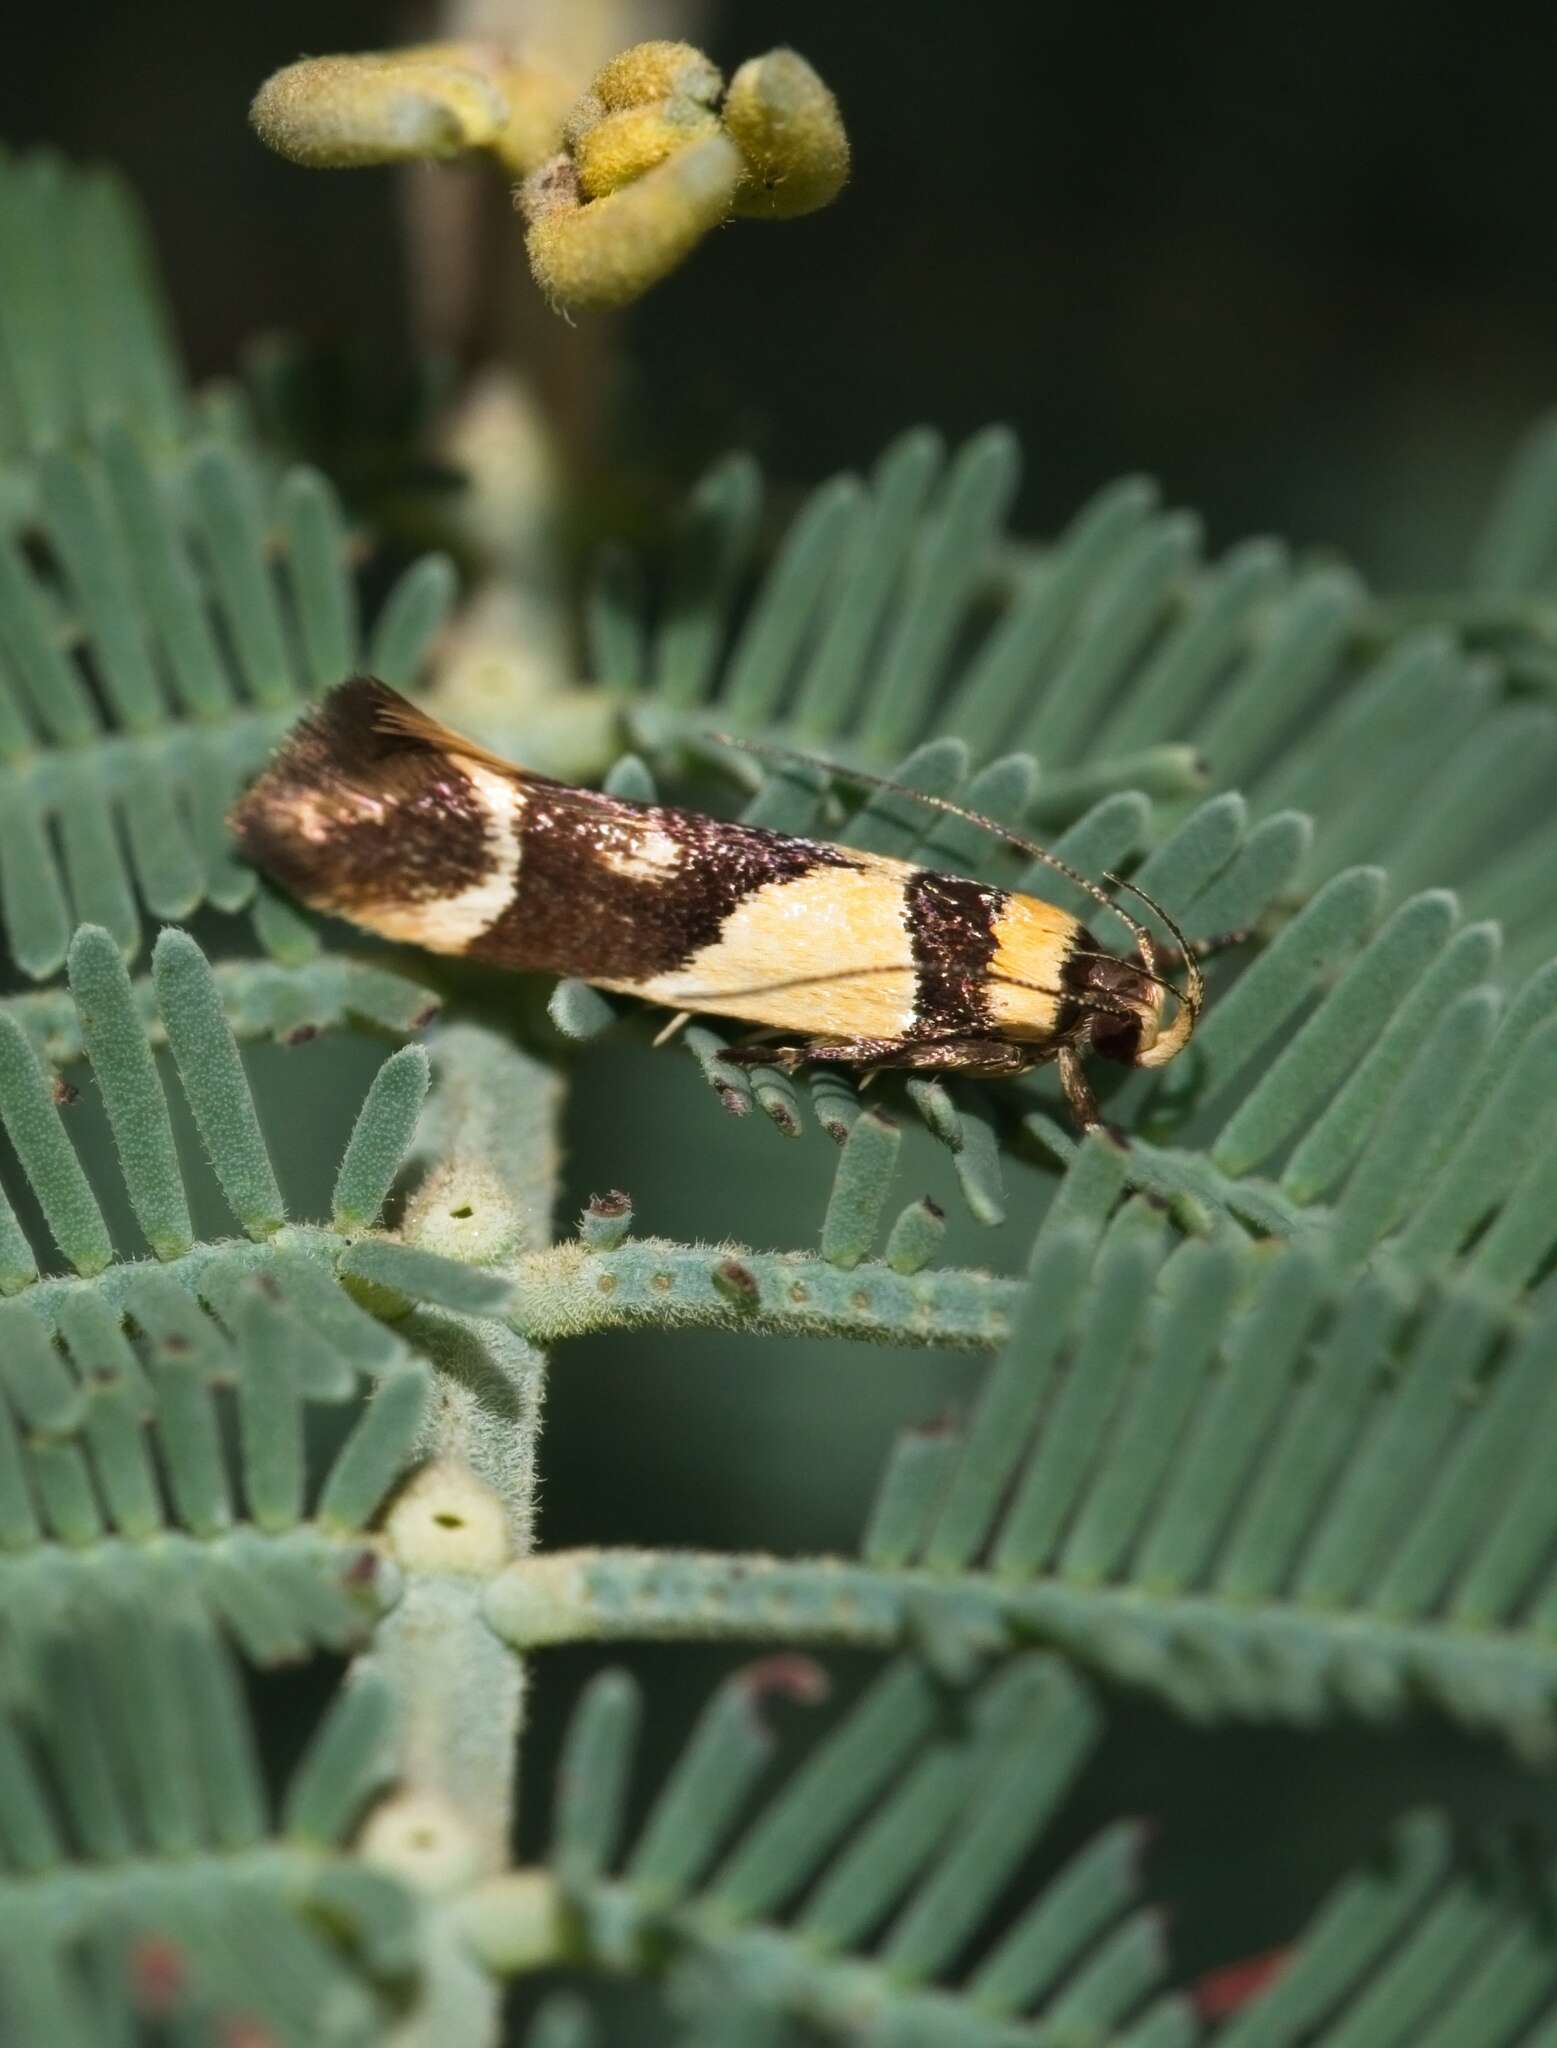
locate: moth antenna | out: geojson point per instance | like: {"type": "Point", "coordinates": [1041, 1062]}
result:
{"type": "Point", "coordinates": [1160, 980]}
{"type": "Point", "coordinates": [1189, 998]}
{"type": "Point", "coordinates": [1168, 1044]}
{"type": "Point", "coordinates": [1194, 993]}
{"type": "Point", "coordinates": [954, 810]}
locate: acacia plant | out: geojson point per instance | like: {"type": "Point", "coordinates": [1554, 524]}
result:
{"type": "Point", "coordinates": [1259, 1416]}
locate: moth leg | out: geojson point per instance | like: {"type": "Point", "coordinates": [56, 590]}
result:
{"type": "Point", "coordinates": [789, 1058]}
{"type": "Point", "coordinates": [994, 1058]}
{"type": "Point", "coordinates": [1078, 1089]}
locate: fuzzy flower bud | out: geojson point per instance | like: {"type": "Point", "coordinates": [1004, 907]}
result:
{"type": "Point", "coordinates": [620, 147]}
{"type": "Point", "coordinates": [651, 162]}
{"type": "Point", "coordinates": [616, 191]}
{"type": "Point", "coordinates": [429, 101]}
{"type": "Point", "coordinates": [656, 71]}
{"type": "Point", "coordinates": [788, 127]}
{"type": "Point", "coordinates": [384, 107]}
{"type": "Point", "coordinates": [609, 251]}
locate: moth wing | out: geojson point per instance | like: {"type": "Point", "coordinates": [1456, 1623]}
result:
{"type": "Point", "coordinates": [390, 713]}
{"type": "Point", "coordinates": [372, 809]}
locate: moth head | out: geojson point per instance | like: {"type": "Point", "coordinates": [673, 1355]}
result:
{"type": "Point", "coordinates": [1161, 1042]}
{"type": "Point", "coordinates": [1137, 1018]}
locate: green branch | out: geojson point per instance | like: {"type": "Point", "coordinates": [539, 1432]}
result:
{"type": "Point", "coordinates": [488, 1134]}
{"type": "Point", "coordinates": [904, 1816]}
{"type": "Point", "coordinates": [526, 1921]}
{"type": "Point", "coordinates": [1202, 1654]}
{"type": "Point", "coordinates": [570, 1290]}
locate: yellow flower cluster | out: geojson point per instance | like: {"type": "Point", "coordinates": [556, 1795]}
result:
{"type": "Point", "coordinates": [618, 189]}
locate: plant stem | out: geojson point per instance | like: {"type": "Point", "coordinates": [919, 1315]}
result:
{"type": "Point", "coordinates": [569, 1290]}
{"type": "Point", "coordinates": [1204, 1654]}
{"type": "Point", "coordinates": [488, 1136]}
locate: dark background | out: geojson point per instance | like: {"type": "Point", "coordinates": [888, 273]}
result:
{"type": "Point", "coordinates": [1301, 266]}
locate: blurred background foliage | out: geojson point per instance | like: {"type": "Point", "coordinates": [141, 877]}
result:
{"type": "Point", "coordinates": [1302, 267]}
{"type": "Point", "coordinates": [1299, 267]}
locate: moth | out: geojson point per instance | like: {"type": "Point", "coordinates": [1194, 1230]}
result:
{"type": "Point", "coordinates": [373, 811]}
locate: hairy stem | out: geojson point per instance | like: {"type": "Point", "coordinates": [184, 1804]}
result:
{"type": "Point", "coordinates": [570, 1290]}
{"type": "Point", "coordinates": [1205, 1654]}
{"type": "Point", "coordinates": [488, 1139]}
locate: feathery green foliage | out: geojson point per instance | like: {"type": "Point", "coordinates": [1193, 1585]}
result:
{"type": "Point", "coordinates": [125, 1378]}
{"type": "Point", "coordinates": [143, 1877]}
{"type": "Point", "coordinates": [1224, 1475]}
{"type": "Point", "coordinates": [1436, 1942]}
{"type": "Point", "coordinates": [148, 663]}
{"type": "Point", "coordinates": [897, 610]}
{"type": "Point", "coordinates": [1261, 1430]}
{"type": "Point", "coordinates": [913, 1814]}
{"type": "Point", "coordinates": [84, 334]}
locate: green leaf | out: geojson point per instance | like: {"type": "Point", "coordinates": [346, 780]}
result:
{"type": "Point", "coordinates": [712, 548]}
{"type": "Point", "coordinates": [35, 1127]}
{"type": "Point", "coordinates": [592, 1780]}
{"type": "Point", "coordinates": [959, 526]}
{"type": "Point", "coordinates": [860, 1189]}
{"type": "Point", "coordinates": [171, 600]}
{"type": "Point", "coordinates": [114, 1040]}
{"type": "Point", "coordinates": [161, 1798]}
{"type": "Point", "coordinates": [881, 537]}
{"type": "Point", "coordinates": [84, 337]}
{"type": "Point", "coordinates": [380, 1139]}
{"type": "Point", "coordinates": [727, 1750]}
{"type": "Point", "coordinates": [123, 1387]}
{"type": "Point", "coordinates": [212, 1075]}
{"type": "Point", "coordinates": [426, 1276]}
{"type": "Point", "coordinates": [345, 1763]}
{"type": "Point", "coordinates": [1269, 1500]}
{"type": "Point", "coordinates": [901, 1805]}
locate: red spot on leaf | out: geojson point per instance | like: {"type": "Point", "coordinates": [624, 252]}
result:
{"type": "Point", "coordinates": [1228, 1989]}
{"type": "Point", "coordinates": [787, 1677]}
{"type": "Point", "coordinates": [158, 1973]}
{"type": "Point", "coordinates": [363, 1569]}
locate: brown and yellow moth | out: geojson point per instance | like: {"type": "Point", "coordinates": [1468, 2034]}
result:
{"type": "Point", "coordinates": [373, 811]}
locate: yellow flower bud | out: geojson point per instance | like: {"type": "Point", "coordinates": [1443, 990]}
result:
{"type": "Point", "coordinates": [657, 71]}
{"type": "Point", "coordinates": [623, 146]}
{"type": "Point", "coordinates": [791, 134]}
{"type": "Point", "coordinates": [582, 116]}
{"type": "Point", "coordinates": [649, 160]}
{"type": "Point", "coordinates": [608, 252]}
{"type": "Point", "coordinates": [433, 100]}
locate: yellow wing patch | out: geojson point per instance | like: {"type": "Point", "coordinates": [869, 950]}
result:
{"type": "Point", "coordinates": [1032, 940]}
{"type": "Point", "coordinates": [827, 954]}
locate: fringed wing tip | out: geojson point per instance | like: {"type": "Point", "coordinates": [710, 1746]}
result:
{"type": "Point", "coordinates": [345, 741]}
